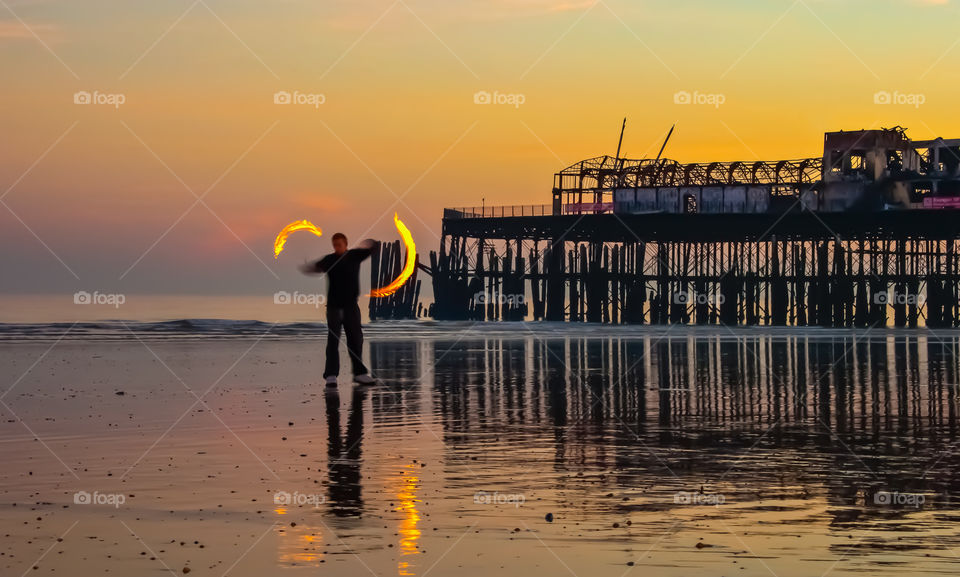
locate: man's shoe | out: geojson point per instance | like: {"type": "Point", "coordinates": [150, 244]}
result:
{"type": "Point", "coordinates": [331, 381]}
{"type": "Point", "coordinates": [364, 379]}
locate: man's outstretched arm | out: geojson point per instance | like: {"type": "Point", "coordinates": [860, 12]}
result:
{"type": "Point", "coordinates": [315, 267]}
{"type": "Point", "coordinates": [365, 248]}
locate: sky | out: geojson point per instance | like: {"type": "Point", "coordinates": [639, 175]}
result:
{"type": "Point", "coordinates": [187, 160]}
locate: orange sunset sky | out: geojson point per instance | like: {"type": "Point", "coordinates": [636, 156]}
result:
{"type": "Point", "coordinates": [104, 195]}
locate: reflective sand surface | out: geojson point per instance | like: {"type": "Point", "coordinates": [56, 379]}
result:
{"type": "Point", "coordinates": [666, 452]}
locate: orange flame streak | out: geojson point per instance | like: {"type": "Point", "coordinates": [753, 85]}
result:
{"type": "Point", "coordinates": [292, 227]}
{"type": "Point", "coordinates": [407, 267]}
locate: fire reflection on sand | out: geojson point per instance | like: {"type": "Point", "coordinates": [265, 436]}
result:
{"type": "Point", "coordinates": [409, 533]}
{"type": "Point", "coordinates": [300, 545]}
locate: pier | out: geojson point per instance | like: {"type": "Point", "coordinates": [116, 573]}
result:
{"type": "Point", "coordinates": [864, 236]}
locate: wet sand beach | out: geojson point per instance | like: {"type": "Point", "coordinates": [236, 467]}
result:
{"type": "Point", "coordinates": [149, 449]}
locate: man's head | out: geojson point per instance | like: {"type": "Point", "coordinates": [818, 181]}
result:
{"type": "Point", "coordinates": [339, 241]}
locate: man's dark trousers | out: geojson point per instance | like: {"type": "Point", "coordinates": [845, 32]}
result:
{"type": "Point", "coordinates": [348, 318]}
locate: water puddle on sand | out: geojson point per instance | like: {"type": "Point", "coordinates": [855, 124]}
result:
{"type": "Point", "coordinates": [667, 453]}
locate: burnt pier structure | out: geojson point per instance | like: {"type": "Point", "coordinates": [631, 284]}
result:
{"type": "Point", "coordinates": [863, 236]}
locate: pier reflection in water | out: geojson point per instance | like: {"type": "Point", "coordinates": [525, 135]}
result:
{"type": "Point", "coordinates": [824, 436]}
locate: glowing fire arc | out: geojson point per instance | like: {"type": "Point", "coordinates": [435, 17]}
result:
{"type": "Point", "coordinates": [408, 267]}
{"type": "Point", "coordinates": [292, 227]}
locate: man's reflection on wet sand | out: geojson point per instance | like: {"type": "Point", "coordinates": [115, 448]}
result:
{"type": "Point", "coordinates": [343, 489]}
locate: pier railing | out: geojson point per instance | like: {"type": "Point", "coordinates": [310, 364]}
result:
{"type": "Point", "coordinates": [499, 211]}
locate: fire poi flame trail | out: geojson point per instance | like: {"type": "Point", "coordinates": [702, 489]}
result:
{"type": "Point", "coordinates": [292, 227]}
{"type": "Point", "coordinates": [384, 291]}
{"type": "Point", "coordinates": [407, 267]}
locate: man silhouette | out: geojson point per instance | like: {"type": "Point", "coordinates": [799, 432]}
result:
{"type": "Point", "coordinates": [342, 268]}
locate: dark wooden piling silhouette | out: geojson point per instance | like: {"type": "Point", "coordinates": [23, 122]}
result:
{"type": "Point", "coordinates": [385, 266]}
{"type": "Point", "coordinates": [897, 268]}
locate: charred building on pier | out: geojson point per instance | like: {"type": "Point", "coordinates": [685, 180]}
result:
{"type": "Point", "coordinates": [862, 235]}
